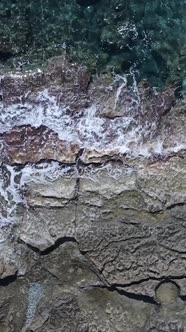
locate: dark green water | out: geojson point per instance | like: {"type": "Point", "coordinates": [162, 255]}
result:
{"type": "Point", "coordinates": [148, 36]}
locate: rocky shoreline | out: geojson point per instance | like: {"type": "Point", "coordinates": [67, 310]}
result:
{"type": "Point", "coordinates": [95, 192]}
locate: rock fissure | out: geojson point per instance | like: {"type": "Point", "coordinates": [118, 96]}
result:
{"type": "Point", "coordinates": [172, 206]}
{"type": "Point", "coordinates": [163, 278]}
{"type": "Point", "coordinates": [173, 249]}
{"type": "Point", "coordinates": [47, 251]}
{"type": "Point", "coordinates": [138, 297]}
{"type": "Point", "coordinates": [95, 177]}
{"type": "Point", "coordinates": [6, 281]}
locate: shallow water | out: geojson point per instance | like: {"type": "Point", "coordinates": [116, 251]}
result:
{"type": "Point", "coordinates": [110, 35]}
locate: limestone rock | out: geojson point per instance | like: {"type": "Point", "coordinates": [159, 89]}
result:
{"type": "Point", "coordinates": [27, 144]}
{"type": "Point", "coordinates": [87, 314]}
{"type": "Point", "coordinates": [70, 267]}
{"type": "Point", "coordinates": [43, 227]}
{"type": "Point", "coordinates": [78, 119]}
{"type": "Point", "coordinates": [97, 230]}
{"type": "Point", "coordinates": [58, 194]}
{"type": "Point", "coordinates": [124, 220]}
{"type": "Point", "coordinates": [15, 260]}
{"type": "Point", "coordinates": [171, 312]}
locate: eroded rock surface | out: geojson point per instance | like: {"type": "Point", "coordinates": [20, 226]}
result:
{"type": "Point", "coordinates": [28, 144]}
{"type": "Point", "coordinates": [92, 202]}
{"type": "Point", "coordinates": [58, 113]}
{"type": "Point", "coordinates": [130, 224]}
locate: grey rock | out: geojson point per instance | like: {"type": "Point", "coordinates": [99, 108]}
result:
{"type": "Point", "coordinates": [70, 267]}
{"type": "Point", "coordinates": [125, 221]}
{"type": "Point", "coordinates": [42, 227]}
{"type": "Point", "coordinates": [93, 241]}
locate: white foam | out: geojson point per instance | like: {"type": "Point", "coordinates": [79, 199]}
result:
{"type": "Point", "coordinates": [124, 135]}
{"type": "Point", "coordinates": [14, 181]}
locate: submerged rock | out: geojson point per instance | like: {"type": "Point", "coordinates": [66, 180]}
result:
{"type": "Point", "coordinates": [106, 35]}
{"type": "Point", "coordinates": [87, 2]}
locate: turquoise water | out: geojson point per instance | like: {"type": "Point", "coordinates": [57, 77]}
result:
{"type": "Point", "coordinates": [107, 35]}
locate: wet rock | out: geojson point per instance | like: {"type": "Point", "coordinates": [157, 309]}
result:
{"type": "Point", "coordinates": [57, 221]}
{"type": "Point", "coordinates": [76, 118]}
{"type": "Point", "coordinates": [53, 226]}
{"type": "Point", "coordinates": [143, 101]}
{"type": "Point", "coordinates": [61, 78]}
{"type": "Point", "coordinates": [60, 193]}
{"type": "Point", "coordinates": [93, 241]}
{"type": "Point", "coordinates": [27, 144]}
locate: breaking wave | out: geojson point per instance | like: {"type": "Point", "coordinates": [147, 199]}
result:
{"type": "Point", "coordinates": [92, 131]}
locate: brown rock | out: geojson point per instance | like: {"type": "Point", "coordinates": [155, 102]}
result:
{"type": "Point", "coordinates": [27, 144]}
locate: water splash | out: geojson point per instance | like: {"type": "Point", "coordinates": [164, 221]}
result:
{"type": "Point", "coordinates": [14, 182]}
{"type": "Point", "coordinates": [125, 134]}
